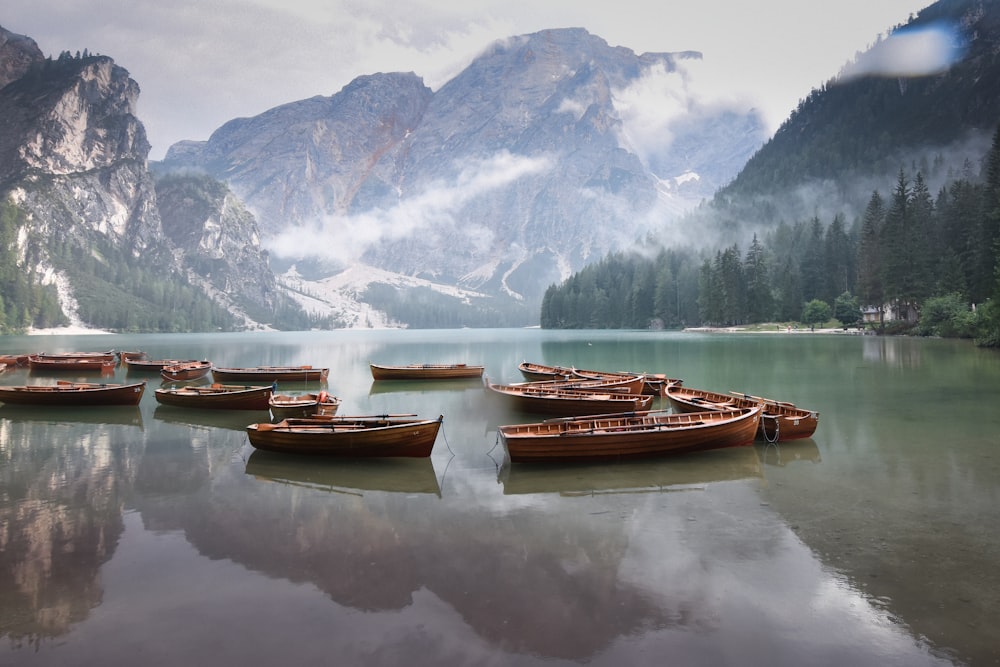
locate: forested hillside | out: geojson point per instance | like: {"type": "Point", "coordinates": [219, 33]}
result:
{"type": "Point", "coordinates": [911, 254]}
{"type": "Point", "coordinates": [879, 192]}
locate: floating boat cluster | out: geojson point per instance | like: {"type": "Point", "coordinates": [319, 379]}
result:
{"type": "Point", "coordinates": [593, 415]}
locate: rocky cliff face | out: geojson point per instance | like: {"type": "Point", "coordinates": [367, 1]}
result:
{"type": "Point", "coordinates": [529, 164]}
{"type": "Point", "coordinates": [73, 158]}
{"type": "Point", "coordinates": [217, 239]}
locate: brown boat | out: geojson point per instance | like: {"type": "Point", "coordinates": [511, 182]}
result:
{"type": "Point", "coordinates": [186, 370]}
{"type": "Point", "coordinates": [153, 365]}
{"type": "Point", "coordinates": [780, 420]}
{"type": "Point", "coordinates": [284, 406]}
{"type": "Point", "coordinates": [628, 384]}
{"type": "Point", "coordinates": [217, 397]}
{"type": "Point", "coordinates": [110, 355]}
{"type": "Point", "coordinates": [74, 393]}
{"type": "Point", "coordinates": [621, 437]}
{"type": "Point", "coordinates": [535, 372]}
{"type": "Point", "coordinates": [654, 384]}
{"type": "Point", "coordinates": [270, 374]}
{"type": "Point", "coordinates": [358, 437]}
{"type": "Point", "coordinates": [528, 397]}
{"type": "Point", "coordinates": [61, 363]}
{"type": "Point", "coordinates": [425, 372]}
{"type": "Point", "coordinates": [14, 359]}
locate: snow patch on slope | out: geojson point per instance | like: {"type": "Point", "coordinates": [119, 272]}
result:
{"type": "Point", "coordinates": [338, 296]}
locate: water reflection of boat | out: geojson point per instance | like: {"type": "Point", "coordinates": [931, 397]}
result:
{"type": "Point", "coordinates": [419, 386]}
{"type": "Point", "coordinates": [679, 473]}
{"type": "Point", "coordinates": [231, 420]}
{"type": "Point", "coordinates": [353, 475]}
{"type": "Point", "coordinates": [125, 415]}
{"type": "Point", "coordinates": [783, 453]}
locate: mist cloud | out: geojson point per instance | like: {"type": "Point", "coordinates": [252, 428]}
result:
{"type": "Point", "coordinates": [344, 239]}
{"type": "Point", "coordinates": [910, 52]}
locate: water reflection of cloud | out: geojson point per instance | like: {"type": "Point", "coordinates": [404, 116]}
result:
{"type": "Point", "coordinates": [750, 576]}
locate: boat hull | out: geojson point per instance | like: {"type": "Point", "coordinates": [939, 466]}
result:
{"type": "Point", "coordinates": [71, 393]}
{"type": "Point", "coordinates": [348, 437]}
{"type": "Point", "coordinates": [75, 364]}
{"type": "Point", "coordinates": [628, 437]}
{"type": "Point", "coordinates": [567, 403]}
{"type": "Point", "coordinates": [270, 374]}
{"type": "Point", "coordinates": [152, 365]}
{"type": "Point", "coordinates": [216, 397]}
{"type": "Point", "coordinates": [302, 406]}
{"type": "Point", "coordinates": [185, 372]}
{"type": "Point", "coordinates": [779, 421]}
{"type": "Point", "coordinates": [426, 372]}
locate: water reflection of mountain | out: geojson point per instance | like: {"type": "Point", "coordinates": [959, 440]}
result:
{"type": "Point", "coordinates": [346, 476]}
{"type": "Point", "coordinates": [653, 476]}
{"type": "Point", "coordinates": [121, 415]}
{"type": "Point", "coordinates": [792, 451]}
{"type": "Point", "coordinates": [63, 486]}
{"type": "Point", "coordinates": [372, 551]}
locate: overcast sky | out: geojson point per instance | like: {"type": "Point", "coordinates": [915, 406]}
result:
{"type": "Point", "coordinates": [200, 63]}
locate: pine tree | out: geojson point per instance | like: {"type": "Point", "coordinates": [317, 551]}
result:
{"type": "Point", "coordinates": [760, 301]}
{"type": "Point", "coordinates": [870, 288]}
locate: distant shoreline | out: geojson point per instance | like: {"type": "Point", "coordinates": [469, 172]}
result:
{"type": "Point", "coordinates": [778, 329]}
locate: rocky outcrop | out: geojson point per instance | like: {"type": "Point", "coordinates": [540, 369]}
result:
{"type": "Point", "coordinates": [17, 54]}
{"type": "Point", "coordinates": [73, 158]}
{"type": "Point", "coordinates": [216, 238]}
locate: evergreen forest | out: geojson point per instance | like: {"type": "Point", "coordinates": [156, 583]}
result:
{"type": "Point", "coordinates": [112, 289]}
{"type": "Point", "coordinates": [916, 262]}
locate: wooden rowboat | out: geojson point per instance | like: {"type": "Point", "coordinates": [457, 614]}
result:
{"type": "Point", "coordinates": [629, 436]}
{"type": "Point", "coordinates": [425, 371]}
{"type": "Point", "coordinates": [217, 397]}
{"type": "Point", "coordinates": [627, 384]}
{"type": "Point", "coordinates": [110, 355]}
{"type": "Point", "coordinates": [358, 437]}
{"type": "Point", "coordinates": [153, 365]}
{"type": "Point", "coordinates": [14, 359]}
{"type": "Point", "coordinates": [780, 420]}
{"type": "Point", "coordinates": [74, 393]}
{"type": "Point", "coordinates": [270, 374]}
{"type": "Point", "coordinates": [654, 384]}
{"type": "Point", "coordinates": [527, 397]}
{"type": "Point", "coordinates": [67, 363]}
{"type": "Point", "coordinates": [186, 370]}
{"type": "Point", "coordinates": [535, 372]}
{"type": "Point", "coordinates": [284, 406]}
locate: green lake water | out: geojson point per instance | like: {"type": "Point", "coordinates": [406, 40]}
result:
{"type": "Point", "coordinates": [158, 536]}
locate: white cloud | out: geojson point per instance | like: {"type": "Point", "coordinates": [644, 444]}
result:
{"type": "Point", "coordinates": [910, 53]}
{"type": "Point", "coordinates": [201, 64]}
{"type": "Point", "coordinates": [345, 238]}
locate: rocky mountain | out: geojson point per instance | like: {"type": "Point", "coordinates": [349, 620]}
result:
{"type": "Point", "coordinates": [543, 155]}
{"type": "Point", "coordinates": [73, 164]}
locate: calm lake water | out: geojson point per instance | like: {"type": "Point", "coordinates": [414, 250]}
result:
{"type": "Point", "coordinates": [158, 536]}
